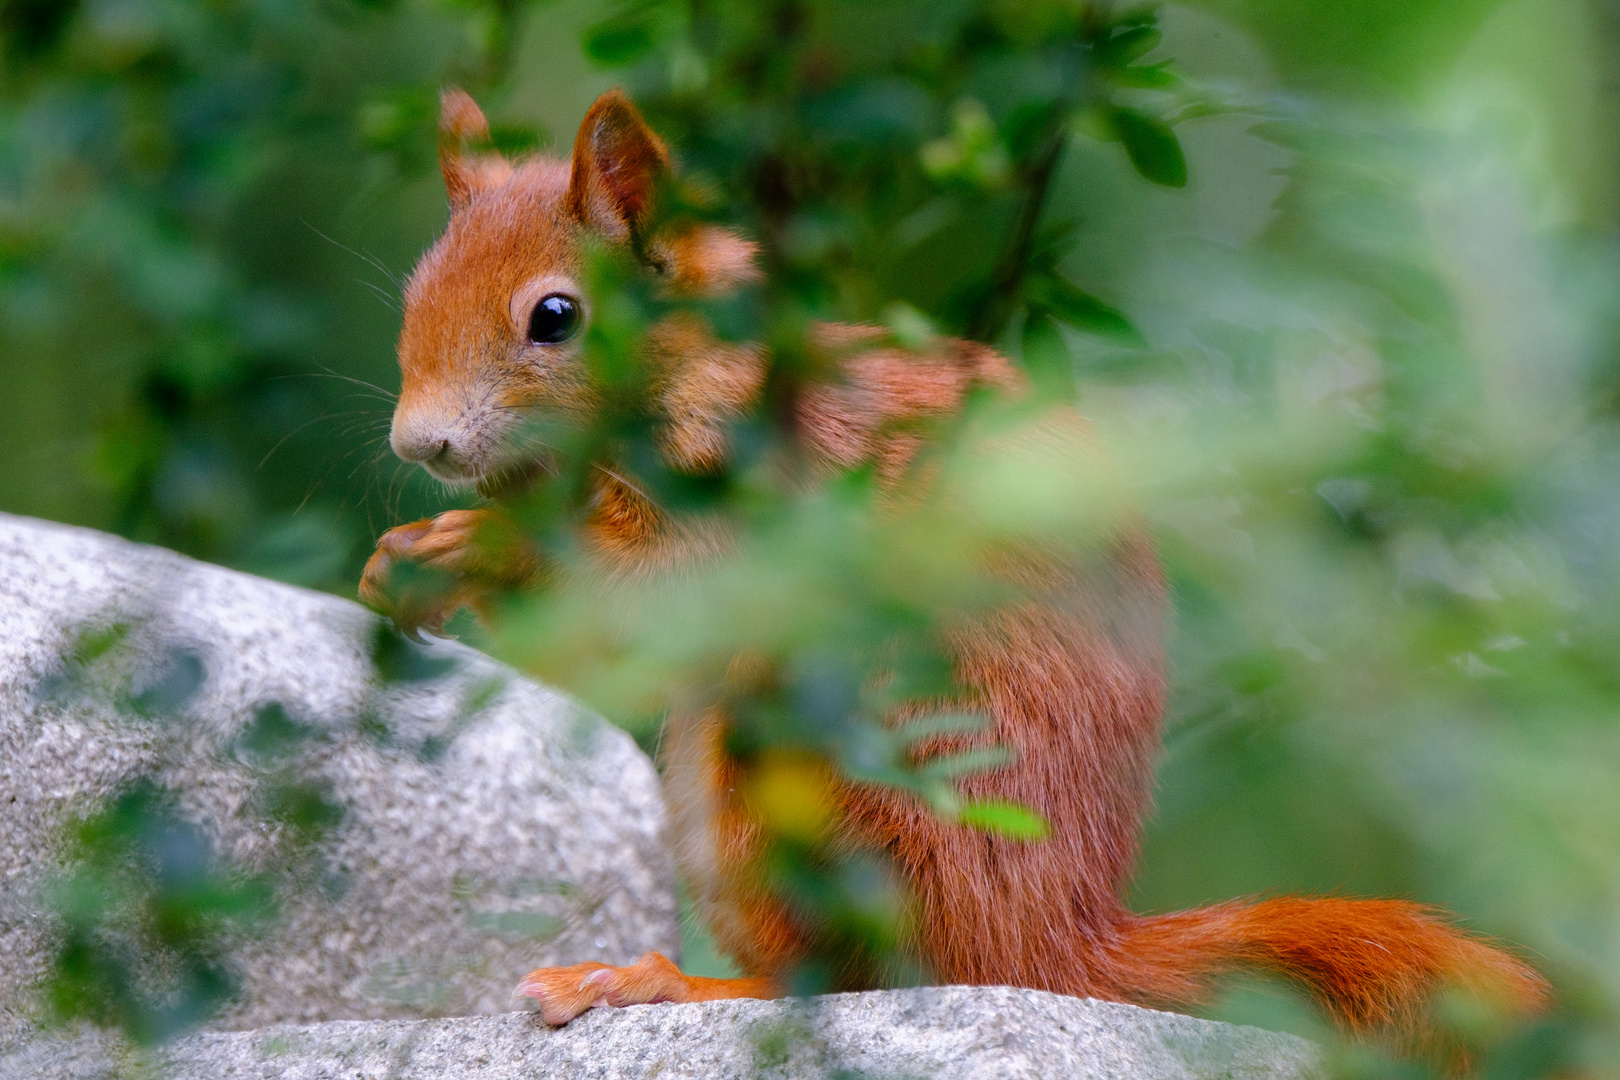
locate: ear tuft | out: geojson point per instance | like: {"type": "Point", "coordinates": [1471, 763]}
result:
{"type": "Point", "coordinates": [460, 119]}
{"type": "Point", "coordinates": [618, 161]}
{"type": "Point", "coordinates": [466, 172]}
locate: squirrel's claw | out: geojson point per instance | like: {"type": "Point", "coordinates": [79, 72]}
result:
{"type": "Point", "coordinates": [462, 555]}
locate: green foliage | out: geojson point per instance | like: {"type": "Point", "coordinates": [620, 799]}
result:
{"type": "Point", "coordinates": [147, 911]}
{"type": "Point", "coordinates": [1355, 375]}
{"type": "Point", "coordinates": [1153, 147]}
{"type": "Point", "coordinates": [181, 185]}
{"type": "Point", "coordinates": [824, 130]}
{"type": "Point", "coordinates": [859, 143]}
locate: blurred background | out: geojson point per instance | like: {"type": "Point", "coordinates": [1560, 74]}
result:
{"type": "Point", "coordinates": [1339, 283]}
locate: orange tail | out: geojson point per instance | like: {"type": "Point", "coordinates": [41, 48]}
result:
{"type": "Point", "coordinates": [1372, 964]}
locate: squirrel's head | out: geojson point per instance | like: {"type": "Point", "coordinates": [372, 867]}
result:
{"type": "Point", "coordinates": [496, 310]}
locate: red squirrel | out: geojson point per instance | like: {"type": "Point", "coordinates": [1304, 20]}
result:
{"type": "Point", "coordinates": [1072, 679]}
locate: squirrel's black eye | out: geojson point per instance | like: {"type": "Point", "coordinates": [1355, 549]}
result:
{"type": "Point", "coordinates": [555, 318]}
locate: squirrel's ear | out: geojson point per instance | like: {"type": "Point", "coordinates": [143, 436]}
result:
{"type": "Point", "coordinates": [617, 163]}
{"type": "Point", "coordinates": [461, 122]}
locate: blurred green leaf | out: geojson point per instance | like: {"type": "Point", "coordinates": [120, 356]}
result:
{"type": "Point", "coordinates": [272, 735]}
{"type": "Point", "coordinates": [943, 724]}
{"type": "Point", "coordinates": [1003, 818]}
{"type": "Point", "coordinates": [1153, 148]}
{"type": "Point", "coordinates": [397, 659]}
{"type": "Point", "coordinates": [1129, 44]}
{"type": "Point", "coordinates": [619, 41]}
{"type": "Point", "coordinates": [1149, 76]}
{"type": "Point", "coordinates": [178, 678]}
{"type": "Point", "coordinates": [1055, 294]}
{"type": "Point", "coordinates": [969, 761]}
{"type": "Point", "coordinates": [1046, 355]}
{"type": "Point", "coordinates": [29, 29]}
{"type": "Point", "coordinates": [307, 807]}
{"type": "Point", "coordinates": [147, 908]}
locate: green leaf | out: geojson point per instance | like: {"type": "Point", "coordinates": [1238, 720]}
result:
{"type": "Point", "coordinates": [1073, 305]}
{"type": "Point", "coordinates": [616, 42]}
{"type": "Point", "coordinates": [1154, 149]}
{"type": "Point", "coordinates": [969, 761]}
{"type": "Point", "coordinates": [1005, 818]}
{"type": "Point", "coordinates": [1285, 133]}
{"type": "Point", "coordinates": [1129, 44]}
{"type": "Point", "coordinates": [1046, 356]}
{"type": "Point", "coordinates": [1148, 76]}
{"type": "Point", "coordinates": [1140, 15]}
{"type": "Point", "coordinates": [910, 327]}
{"type": "Point", "coordinates": [942, 724]}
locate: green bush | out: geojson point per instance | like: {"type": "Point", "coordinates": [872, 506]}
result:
{"type": "Point", "coordinates": [1344, 322]}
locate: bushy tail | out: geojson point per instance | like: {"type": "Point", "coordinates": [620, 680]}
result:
{"type": "Point", "coordinates": [1372, 964]}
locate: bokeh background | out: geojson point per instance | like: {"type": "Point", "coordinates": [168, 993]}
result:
{"type": "Point", "coordinates": [1359, 365]}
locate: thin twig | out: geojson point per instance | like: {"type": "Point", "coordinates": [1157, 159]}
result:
{"type": "Point", "coordinates": [1008, 281]}
{"type": "Point", "coordinates": [1009, 277]}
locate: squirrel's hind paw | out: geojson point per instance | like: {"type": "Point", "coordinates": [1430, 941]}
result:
{"type": "Point", "coordinates": [565, 992]}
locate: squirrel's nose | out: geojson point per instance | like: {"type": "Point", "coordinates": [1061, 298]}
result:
{"type": "Point", "coordinates": [418, 445]}
{"type": "Point", "coordinates": [444, 443]}
{"type": "Point", "coordinates": [418, 451]}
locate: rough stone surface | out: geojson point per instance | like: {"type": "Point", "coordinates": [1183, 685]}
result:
{"type": "Point", "coordinates": [488, 825]}
{"type": "Point", "coordinates": [943, 1033]}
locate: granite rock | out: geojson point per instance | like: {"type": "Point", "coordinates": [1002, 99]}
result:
{"type": "Point", "coordinates": [476, 825]}
{"type": "Point", "coordinates": [943, 1033]}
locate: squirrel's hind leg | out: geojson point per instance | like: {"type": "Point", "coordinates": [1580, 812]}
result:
{"type": "Point", "coordinates": [565, 992]}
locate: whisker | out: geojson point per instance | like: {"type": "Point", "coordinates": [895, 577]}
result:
{"type": "Point", "coordinates": [396, 491]}
{"type": "Point", "coordinates": [366, 257]}
{"type": "Point", "coordinates": [377, 392]}
{"type": "Point", "coordinates": [382, 294]}
{"type": "Point", "coordinates": [621, 479]}
{"type": "Point", "coordinates": [372, 420]}
{"type": "Point", "coordinates": [397, 279]}
{"type": "Point", "coordinates": [329, 373]}
{"type": "Point", "coordinates": [281, 441]}
{"type": "Point", "coordinates": [370, 463]}
{"type": "Point", "coordinates": [332, 466]}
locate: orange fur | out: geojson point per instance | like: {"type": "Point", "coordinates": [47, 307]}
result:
{"type": "Point", "coordinates": [1072, 678]}
{"type": "Point", "coordinates": [702, 383]}
{"type": "Point", "coordinates": [705, 260]}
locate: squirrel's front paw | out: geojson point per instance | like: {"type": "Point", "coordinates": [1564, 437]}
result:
{"type": "Point", "coordinates": [424, 572]}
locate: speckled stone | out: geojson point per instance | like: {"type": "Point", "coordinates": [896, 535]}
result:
{"type": "Point", "coordinates": [944, 1033]}
{"type": "Point", "coordinates": [489, 825]}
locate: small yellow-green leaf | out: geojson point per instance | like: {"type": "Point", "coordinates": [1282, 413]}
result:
{"type": "Point", "coordinates": [1005, 818]}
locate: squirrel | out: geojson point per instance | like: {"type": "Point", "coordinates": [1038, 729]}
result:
{"type": "Point", "coordinates": [1072, 678]}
